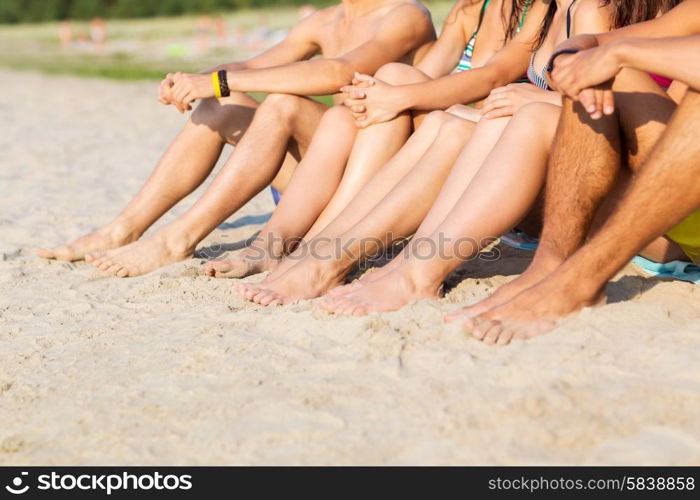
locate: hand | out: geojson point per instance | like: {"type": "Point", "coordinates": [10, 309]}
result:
{"type": "Point", "coordinates": [505, 101]}
{"type": "Point", "coordinates": [355, 92]}
{"type": "Point", "coordinates": [587, 77]}
{"type": "Point", "coordinates": [371, 101]}
{"type": "Point", "coordinates": [165, 90]}
{"type": "Point", "coordinates": [187, 88]}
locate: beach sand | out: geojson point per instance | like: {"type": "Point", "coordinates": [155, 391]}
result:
{"type": "Point", "coordinates": [175, 368]}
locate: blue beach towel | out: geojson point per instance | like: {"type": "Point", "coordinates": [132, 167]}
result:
{"type": "Point", "coordinates": [677, 269]}
{"type": "Point", "coordinates": [520, 240]}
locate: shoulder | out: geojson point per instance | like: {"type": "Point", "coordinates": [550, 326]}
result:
{"type": "Point", "coordinates": [409, 12]}
{"type": "Point", "coordinates": [464, 9]}
{"type": "Point", "coordinates": [591, 16]}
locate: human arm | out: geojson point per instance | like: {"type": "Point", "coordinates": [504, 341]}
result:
{"type": "Point", "coordinates": [589, 62]}
{"type": "Point", "coordinates": [682, 20]}
{"type": "Point", "coordinates": [505, 101]}
{"type": "Point", "coordinates": [383, 102]}
{"type": "Point", "coordinates": [445, 53]}
{"type": "Point", "coordinates": [588, 16]}
{"type": "Point", "coordinates": [298, 45]}
{"type": "Point", "coordinates": [398, 33]}
{"type": "Point", "coordinates": [675, 58]}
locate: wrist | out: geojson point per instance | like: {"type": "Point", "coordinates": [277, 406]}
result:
{"type": "Point", "coordinates": [619, 53]}
{"type": "Point", "coordinates": [560, 52]}
{"type": "Point", "coordinates": [402, 98]}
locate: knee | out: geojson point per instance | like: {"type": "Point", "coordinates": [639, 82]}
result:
{"type": "Point", "coordinates": [537, 113]}
{"type": "Point", "coordinates": [337, 114]}
{"type": "Point", "coordinates": [395, 73]}
{"type": "Point", "coordinates": [280, 105]}
{"type": "Point", "coordinates": [210, 112]}
{"type": "Point", "coordinates": [435, 119]}
{"type": "Point", "coordinates": [455, 128]}
{"type": "Point", "coordinates": [539, 116]}
{"type": "Point", "coordinates": [225, 115]}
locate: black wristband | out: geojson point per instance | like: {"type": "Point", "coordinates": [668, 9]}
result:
{"type": "Point", "coordinates": [223, 84]}
{"type": "Point", "coordinates": [550, 63]}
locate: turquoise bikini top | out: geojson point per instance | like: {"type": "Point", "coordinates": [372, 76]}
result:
{"type": "Point", "coordinates": [465, 62]}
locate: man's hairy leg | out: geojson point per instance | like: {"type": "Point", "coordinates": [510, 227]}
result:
{"type": "Point", "coordinates": [664, 190]}
{"type": "Point", "coordinates": [583, 169]}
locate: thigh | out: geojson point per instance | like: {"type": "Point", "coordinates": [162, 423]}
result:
{"type": "Point", "coordinates": [230, 116]}
{"type": "Point", "coordinates": [303, 126]}
{"type": "Point", "coordinates": [644, 109]}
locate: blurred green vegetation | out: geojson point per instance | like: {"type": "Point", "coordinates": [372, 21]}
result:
{"type": "Point", "coordinates": [23, 11]}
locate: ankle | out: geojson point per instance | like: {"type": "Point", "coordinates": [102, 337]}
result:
{"type": "Point", "coordinates": [123, 230]}
{"type": "Point", "coordinates": [177, 241]}
{"type": "Point", "coordinates": [545, 262]}
{"type": "Point", "coordinates": [424, 277]}
{"type": "Point", "coordinates": [275, 245]}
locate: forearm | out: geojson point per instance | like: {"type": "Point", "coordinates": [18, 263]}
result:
{"type": "Point", "coordinates": [232, 66]}
{"type": "Point", "coordinates": [461, 88]}
{"type": "Point", "coordinates": [674, 58]}
{"type": "Point", "coordinates": [317, 77]}
{"type": "Point", "coordinates": [579, 42]}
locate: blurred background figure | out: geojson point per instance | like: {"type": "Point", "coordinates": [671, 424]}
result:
{"type": "Point", "coordinates": [204, 29]}
{"type": "Point", "coordinates": [221, 29]}
{"type": "Point", "coordinates": [98, 33]}
{"type": "Point", "coordinates": [257, 38]}
{"type": "Point", "coordinates": [65, 35]}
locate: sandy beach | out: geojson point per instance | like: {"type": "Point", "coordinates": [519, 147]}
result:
{"type": "Point", "coordinates": [175, 368]}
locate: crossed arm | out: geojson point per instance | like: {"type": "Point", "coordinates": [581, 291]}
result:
{"type": "Point", "coordinates": [666, 46]}
{"type": "Point", "coordinates": [288, 68]}
{"type": "Point", "coordinates": [383, 102]}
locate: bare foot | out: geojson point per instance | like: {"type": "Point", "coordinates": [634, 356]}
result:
{"type": "Point", "coordinates": [532, 312]}
{"type": "Point", "coordinates": [254, 259]}
{"type": "Point", "coordinates": [368, 277]}
{"type": "Point", "coordinates": [390, 292]}
{"type": "Point", "coordinates": [143, 256]}
{"type": "Point", "coordinates": [113, 235]}
{"type": "Point", "coordinates": [532, 275]}
{"type": "Point", "coordinates": [309, 279]}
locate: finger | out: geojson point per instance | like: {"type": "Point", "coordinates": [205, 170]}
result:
{"type": "Point", "coordinates": [587, 99]}
{"type": "Point", "coordinates": [358, 109]}
{"type": "Point", "coordinates": [188, 100]}
{"type": "Point", "coordinates": [500, 112]}
{"type": "Point", "coordinates": [353, 92]}
{"type": "Point", "coordinates": [181, 93]}
{"type": "Point", "coordinates": [492, 104]}
{"type": "Point", "coordinates": [499, 90]}
{"type": "Point", "coordinates": [364, 78]}
{"type": "Point", "coordinates": [598, 113]}
{"type": "Point", "coordinates": [366, 123]}
{"type": "Point", "coordinates": [349, 103]}
{"type": "Point", "coordinates": [608, 102]}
